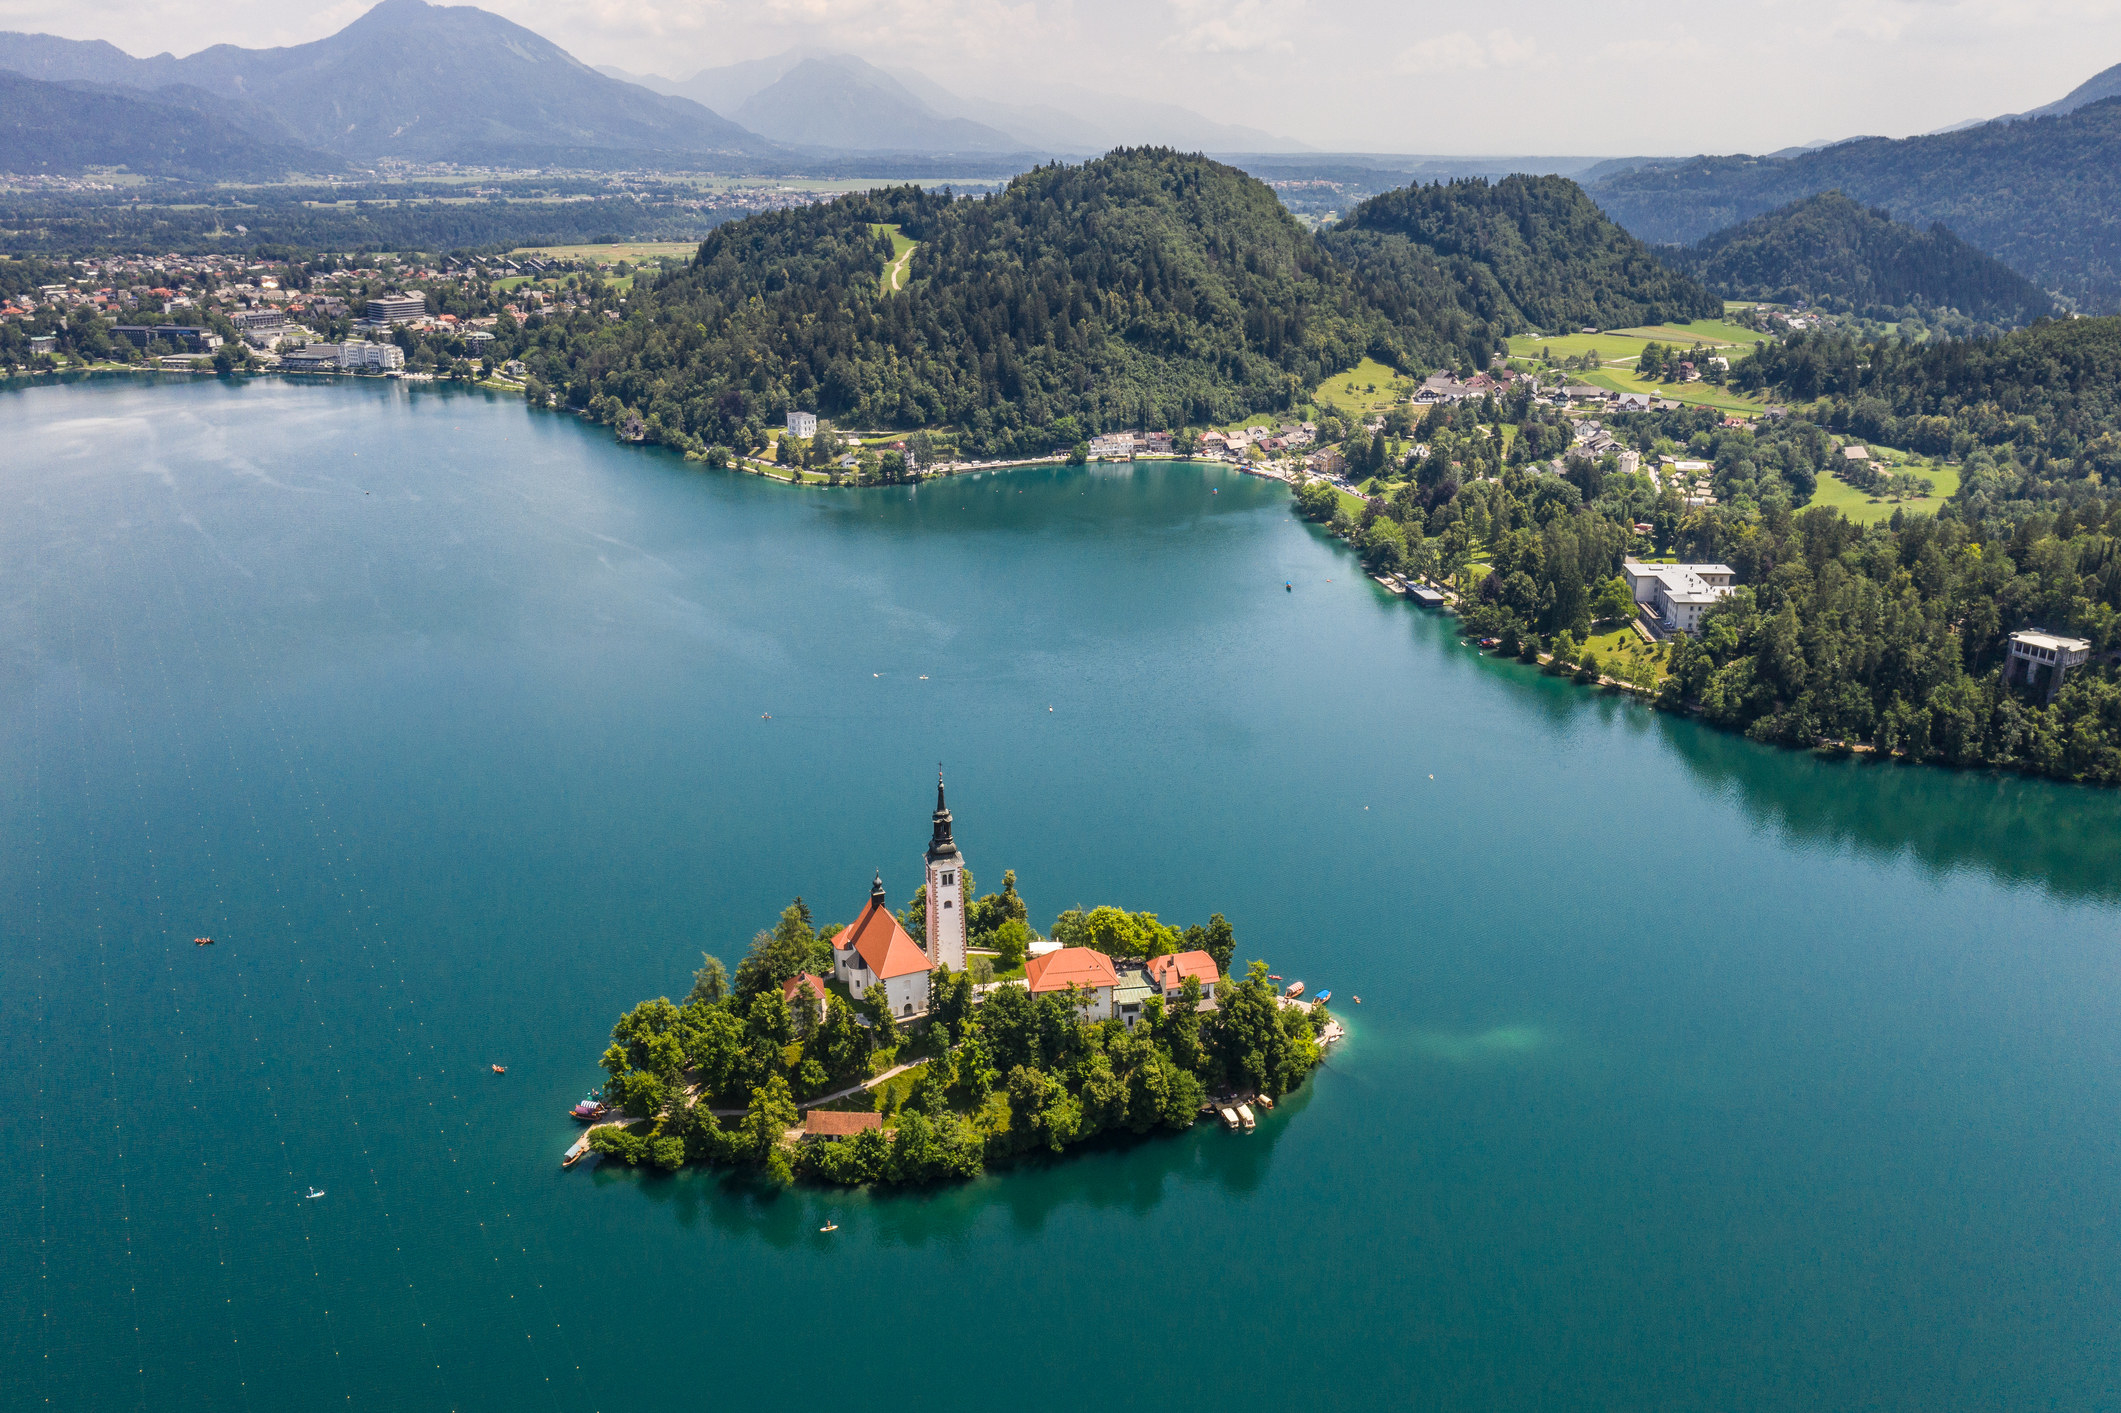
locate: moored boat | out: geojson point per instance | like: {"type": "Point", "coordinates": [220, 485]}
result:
{"type": "Point", "coordinates": [1325, 995]}
{"type": "Point", "coordinates": [1230, 1119]}
{"type": "Point", "coordinates": [1296, 989]}
{"type": "Point", "coordinates": [1244, 1112]}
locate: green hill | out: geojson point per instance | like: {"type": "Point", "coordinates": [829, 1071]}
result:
{"type": "Point", "coordinates": [2041, 195]}
{"type": "Point", "coordinates": [2034, 414]}
{"type": "Point", "coordinates": [1143, 288]}
{"type": "Point", "coordinates": [1829, 250]}
{"type": "Point", "coordinates": [1482, 261]}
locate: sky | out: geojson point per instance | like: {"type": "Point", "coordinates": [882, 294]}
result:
{"type": "Point", "coordinates": [1549, 77]}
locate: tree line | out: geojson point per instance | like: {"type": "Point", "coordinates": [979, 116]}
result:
{"type": "Point", "coordinates": [1890, 636]}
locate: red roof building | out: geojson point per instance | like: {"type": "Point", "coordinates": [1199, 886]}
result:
{"type": "Point", "coordinates": [802, 989]}
{"type": "Point", "coordinates": [1075, 966]}
{"type": "Point", "coordinates": [1170, 971]}
{"type": "Point", "coordinates": [875, 951]}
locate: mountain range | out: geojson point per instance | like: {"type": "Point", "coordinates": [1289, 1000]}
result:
{"type": "Point", "coordinates": [406, 80]}
{"type": "Point", "coordinates": [814, 97]}
{"type": "Point", "coordinates": [2043, 195]}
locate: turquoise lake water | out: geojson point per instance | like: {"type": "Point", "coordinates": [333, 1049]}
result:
{"type": "Point", "coordinates": [1688, 1074]}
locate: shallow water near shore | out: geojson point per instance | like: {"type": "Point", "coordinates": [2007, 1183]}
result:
{"type": "Point", "coordinates": [1687, 1074]}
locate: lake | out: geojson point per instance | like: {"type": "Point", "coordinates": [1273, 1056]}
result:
{"type": "Point", "coordinates": [1688, 1074]}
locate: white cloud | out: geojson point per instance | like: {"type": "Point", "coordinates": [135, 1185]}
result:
{"type": "Point", "coordinates": [1459, 51]}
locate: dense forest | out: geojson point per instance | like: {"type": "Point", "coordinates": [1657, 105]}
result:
{"type": "Point", "coordinates": [1016, 1073]}
{"type": "Point", "coordinates": [2032, 415]}
{"type": "Point", "coordinates": [1522, 253]}
{"type": "Point", "coordinates": [1889, 636]}
{"type": "Point", "coordinates": [2041, 194]}
{"type": "Point", "coordinates": [1143, 289]}
{"type": "Point", "coordinates": [1830, 251]}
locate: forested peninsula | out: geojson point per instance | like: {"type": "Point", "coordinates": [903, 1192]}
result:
{"type": "Point", "coordinates": [777, 1072]}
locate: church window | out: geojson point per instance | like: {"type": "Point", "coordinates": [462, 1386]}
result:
{"type": "Point", "coordinates": [946, 904]}
{"type": "Point", "coordinates": [948, 879]}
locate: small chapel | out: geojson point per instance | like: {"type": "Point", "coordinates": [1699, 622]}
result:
{"type": "Point", "coordinates": [876, 951]}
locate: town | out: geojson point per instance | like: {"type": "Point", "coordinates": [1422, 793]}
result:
{"type": "Point", "coordinates": [921, 1046]}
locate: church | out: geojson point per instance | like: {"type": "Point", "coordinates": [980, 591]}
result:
{"type": "Point", "coordinates": [876, 951]}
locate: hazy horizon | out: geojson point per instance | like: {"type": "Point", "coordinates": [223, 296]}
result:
{"type": "Point", "coordinates": [1531, 77]}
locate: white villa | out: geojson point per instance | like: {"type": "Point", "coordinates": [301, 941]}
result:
{"type": "Point", "coordinates": [1679, 593]}
{"type": "Point", "coordinates": [802, 424]}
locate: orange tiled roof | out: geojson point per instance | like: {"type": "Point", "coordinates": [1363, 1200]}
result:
{"type": "Point", "coordinates": [805, 982]}
{"type": "Point", "coordinates": [1170, 971]}
{"type": "Point", "coordinates": [1070, 966]}
{"type": "Point", "coordinates": [882, 944]}
{"type": "Point", "coordinates": [830, 1123]}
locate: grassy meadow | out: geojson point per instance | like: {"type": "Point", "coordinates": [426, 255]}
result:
{"type": "Point", "coordinates": [1865, 508]}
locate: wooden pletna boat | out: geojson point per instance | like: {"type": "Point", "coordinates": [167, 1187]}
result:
{"type": "Point", "coordinates": [202, 941]}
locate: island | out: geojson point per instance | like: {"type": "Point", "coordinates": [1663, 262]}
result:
{"type": "Point", "coordinates": [924, 1045]}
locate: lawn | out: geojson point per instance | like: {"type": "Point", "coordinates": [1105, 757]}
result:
{"type": "Point", "coordinates": [1866, 509]}
{"type": "Point", "coordinates": [1364, 391]}
{"type": "Point", "coordinates": [1623, 346]}
{"type": "Point", "coordinates": [894, 277]}
{"type": "Point", "coordinates": [1624, 645]}
{"type": "Point", "coordinates": [1696, 394]}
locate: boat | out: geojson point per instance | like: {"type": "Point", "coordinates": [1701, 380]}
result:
{"type": "Point", "coordinates": [1295, 989]}
{"type": "Point", "coordinates": [1272, 976]}
{"type": "Point", "coordinates": [1289, 587]}
{"type": "Point", "coordinates": [1229, 1117]}
{"type": "Point", "coordinates": [1356, 999]}
{"type": "Point", "coordinates": [1265, 1101]}
{"type": "Point", "coordinates": [1325, 996]}
{"type": "Point", "coordinates": [313, 1194]}
{"type": "Point", "coordinates": [202, 941]}
{"type": "Point", "coordinates": [1244, 1112]}
{"type": "Point", "coordinates": [500, 1069]}
{"type": "Point", "coordinates": [830, 1226]}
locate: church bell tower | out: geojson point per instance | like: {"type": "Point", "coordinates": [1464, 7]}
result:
{"type": "Point", "coordinates": [945, 941]}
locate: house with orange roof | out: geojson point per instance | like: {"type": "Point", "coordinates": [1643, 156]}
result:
{"type": "Point", "coordinates": [1169, 972]}
{"type": "Point", "coordinates": [875, 951]}
{"type": "Point", "coordinates": [1080, 967]}
{"type": "Point", "coordinates": [805, 990]}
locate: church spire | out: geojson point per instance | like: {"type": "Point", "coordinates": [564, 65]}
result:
{"type": "Point", "coordinates": [940, 844]}
{"type": "Point", "coordinates": [876, 889]}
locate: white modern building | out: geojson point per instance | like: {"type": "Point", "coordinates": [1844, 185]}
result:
{"type": "Point", "coordinates": [802, 424]}
{"type": "Point", "coordinates": [397, 308]}
{"type": "Point", "coordinates": [370, 357]}
{"type": "Point", "coordinates": [2033, 653]}
{"type": "Point", "coordinates": [1679, 593]}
